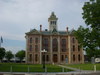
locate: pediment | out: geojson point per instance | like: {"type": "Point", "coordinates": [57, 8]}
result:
{"type": "Point", "coordinates": [34, 31]}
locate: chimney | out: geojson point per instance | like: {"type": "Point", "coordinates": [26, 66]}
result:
{"type": "Point", "coordinates": [40, 28]}
{"type": "Point", "coordinates": [67, 29]}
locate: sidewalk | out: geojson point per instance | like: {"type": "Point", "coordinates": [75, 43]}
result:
{"type": "Point", "coordinates": [75, 69]}
{"type": "Point", "coordinates": [78, 70]}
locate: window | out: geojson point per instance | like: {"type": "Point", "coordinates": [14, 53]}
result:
{"type": "Point", "coordinates": [30, 47]}
{"type": "Point", "coordinates": [45, 44]}
{"type": "Point", "coordinates": [36, 40]}
{"type": "Point", "coordinates": [47, 58]}
{"type": "Point", "coordinates": [55, 58]}
{"type": "Point", "coordinates": [73, 57]}
{"type": "Point", "coordinates": [78, 48]}
{"type": "Point", "coordinates": [36, 57]}
{"type": "Point", "coordinates": [30, 57]}
{"type": "Point", "coordinates": [55, 22]}
{"type": "Point", "coordinates": [62, 58]}
{"type": "Point", "coordinates": [66, 56]}
{"type": "Point", "coordinates": [55, 45]}
{"type": "Point", "coordinates": [51, 22]}
{"type": "Point", "coordinates": [79, 57]}
{"type": "Point", "coordinates": [63, 45]}
{"type": "Point", "coordinates": [73, 40]}
{"type": "Point", "coordinates": [73, 47]}
{"type": "Point", "coordinates": [36, 48]}
{"type": "Point", "coordinates": [30, 40]}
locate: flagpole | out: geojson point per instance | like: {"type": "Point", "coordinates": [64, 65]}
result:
{"type": "Point", "coordinates": [0, 43]}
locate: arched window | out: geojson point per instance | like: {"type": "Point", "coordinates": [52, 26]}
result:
{"type": "Point", "coordinates": [45, 44]}
{"type": "Point", "coordinates": [79, 57]}
{"type": "Point", "coordinates": [55, 45]}
{"type": "Point", "coordinates": [73, 40]}
{"type": "Point", "coordinates": [73, 57]}
{"type": "Point", "coordinates": [30, 40]}
{"type": "Point", "coordinates": [63, 45]}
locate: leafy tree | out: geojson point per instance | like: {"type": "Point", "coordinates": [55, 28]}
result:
{"type": "Point", "coordinates": [89, 37]}
{"type": "Point", "coordinates": [91, 15]}
{"type": "Point", "coordinates": [2, 53]}
{"type": "Point", "coordinates": [9, 55]}
{"type": "Point", "coordinates": [20, 55]}
{"type": "Point", "coordinates": [85, 37]}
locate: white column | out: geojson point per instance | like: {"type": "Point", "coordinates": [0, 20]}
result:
{"type": "Point", "coordinates": [51, 48]}
{"type": "Point", "coordinates": [40, 48]}
{"type": "Point", "coordinates": [69, 48]}
{"type": "Point", "coordinates": [59, 49]}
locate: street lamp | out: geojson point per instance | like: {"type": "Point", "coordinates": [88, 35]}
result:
{"type": "Point", "coordinates": [43, 57]}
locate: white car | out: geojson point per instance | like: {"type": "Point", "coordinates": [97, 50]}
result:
{"type": "Point", "coordinates": [97, 60]}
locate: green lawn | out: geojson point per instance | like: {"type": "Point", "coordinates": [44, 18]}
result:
{"type": "Point", "coordinates": [87, 66]}
{"type": "Point", "coordinates": [6, 67]}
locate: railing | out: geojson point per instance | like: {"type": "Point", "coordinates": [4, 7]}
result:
{"type": "Point", "coordinates": [32, 69]}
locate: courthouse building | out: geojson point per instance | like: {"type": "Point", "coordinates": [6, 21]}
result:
{"type": "Point", "coordinates": [62, 47]}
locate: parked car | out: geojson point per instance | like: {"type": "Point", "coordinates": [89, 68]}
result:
{"type": "Point", "coordinates": [97, 60]}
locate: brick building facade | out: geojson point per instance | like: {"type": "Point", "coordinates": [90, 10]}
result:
{"type": "Point", "coordinates": [61, 46]}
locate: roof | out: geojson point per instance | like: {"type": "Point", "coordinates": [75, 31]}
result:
{"type": "Point", "coordinates": [54, 32]}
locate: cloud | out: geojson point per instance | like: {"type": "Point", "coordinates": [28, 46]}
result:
{"type": "Point", "coordinates": [19, 16]}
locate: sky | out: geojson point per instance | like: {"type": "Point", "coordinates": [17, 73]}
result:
{"type": "Point", "coordinates": [19, 16]}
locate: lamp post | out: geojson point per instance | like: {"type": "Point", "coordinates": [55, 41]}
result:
{"type": "Point", "coordinates": [43, 57]}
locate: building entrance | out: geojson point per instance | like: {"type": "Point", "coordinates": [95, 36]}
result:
{"type": "Point", "coordinates": [55, 58]}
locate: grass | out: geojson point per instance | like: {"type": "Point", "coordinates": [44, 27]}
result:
{"type": "Point", "coordinates": [87, 66]}
{"type": "Point", "coordinates": [6, 67]}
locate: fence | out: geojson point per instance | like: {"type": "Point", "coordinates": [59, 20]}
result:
{"type": "Point", "coordinates": [33, 69]}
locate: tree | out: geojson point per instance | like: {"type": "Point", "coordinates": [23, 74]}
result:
{"type": "Point", "coordinates": [91, 15]}
{"type": "Point", "coordinates": [20, 55]}
{"type": "Point", "coordinates": [2, 53]}
{"type": "Point", "coordinates": [9, 55]}
{"type": "Point", "coordinates": [85, 37]}
{"type": "Point", "coordinates": [89, 37]}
